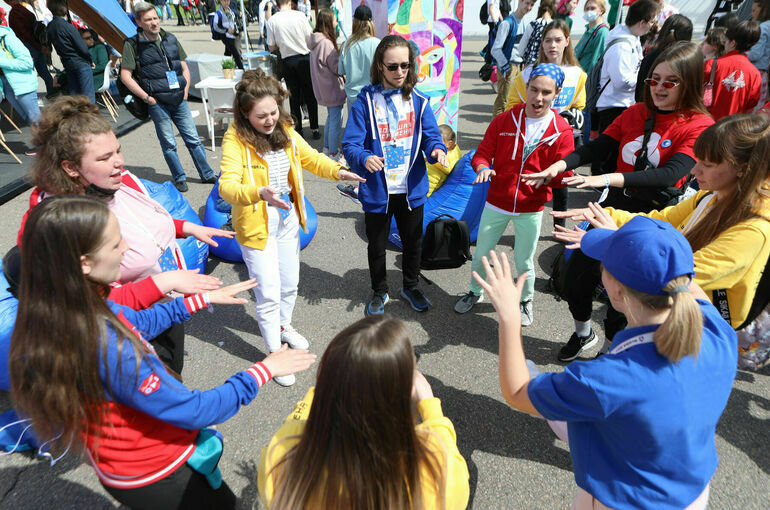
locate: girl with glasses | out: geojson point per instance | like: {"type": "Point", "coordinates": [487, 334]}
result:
{"type": "Point", "coordinates": [654, 140]}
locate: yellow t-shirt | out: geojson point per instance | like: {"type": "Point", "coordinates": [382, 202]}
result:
{"type": "Point", "coordinates": [438, 173]}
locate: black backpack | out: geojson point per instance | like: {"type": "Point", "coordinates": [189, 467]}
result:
{"type": "Point", "coordinates": [135, 105]}
{"type": "Point", "coordinates": [505, 10]}
{"type": "Point", "coordinates": [446, 243]}
{"type": "Point", "coordinates": [593, 89]}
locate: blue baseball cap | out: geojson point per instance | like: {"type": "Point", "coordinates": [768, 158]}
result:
{"type": "Point", "coordinates": [644, 254]}
{"type": "Point", "coordinates": [550, 70]}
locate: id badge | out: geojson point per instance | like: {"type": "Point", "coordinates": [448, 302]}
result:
{"type": "Point", "coordinates": [286, 212]}
{"type": "Point", "coordinates": [173, 80]}
{"type": "Point", "coordinates": [394, 156]}
{"type": "Point", "coordinates": [167, 260]}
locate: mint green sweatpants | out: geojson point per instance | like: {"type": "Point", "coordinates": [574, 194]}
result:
{"type": "Point", "coordinates": [527, 231]}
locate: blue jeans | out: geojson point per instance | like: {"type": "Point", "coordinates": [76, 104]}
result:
{"type": "Point", "coordinates": [41, 67]}
{"type": "Point", "coordinates": [25, 105]}
{"type": "Point", "coordinates": [332, 128]}
{"type": "Point", "coordinates": [80, 80]}
{"type": "Point", "coordinates": [163, 115]}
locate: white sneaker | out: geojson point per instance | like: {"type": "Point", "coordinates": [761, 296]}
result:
{"type": "Point", "coordinates": [290, 336]}
{"type": "Point", "coordinates": [285, 380]}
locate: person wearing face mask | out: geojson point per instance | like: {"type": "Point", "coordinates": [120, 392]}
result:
{"type": "Point", "coordinates": [591, 44]}
{"type": "Point", "coordinates": [654, 141]}
{"type": "Point", "coordinates": [78, 154]}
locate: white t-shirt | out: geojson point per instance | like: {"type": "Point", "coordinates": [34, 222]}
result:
{"type": "Point", "coordinates": [278, 166]}
{"type": "Point", "coordinates": [569, 89]}
{"type": "Point", "coordinates": [289, 31]}
{"type": "Point", "coordinates": [534, 131]}
{"type": "Point", "coordinates": [397, 149]}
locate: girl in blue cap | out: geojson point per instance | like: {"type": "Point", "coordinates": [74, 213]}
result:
{"type": "Point", "coordinates": [641, 420]}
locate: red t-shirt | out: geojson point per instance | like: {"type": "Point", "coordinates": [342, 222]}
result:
{"type": "Point", "coordinates": [737, 85]}
{"type": "Point", "coordinates": [672, 133]}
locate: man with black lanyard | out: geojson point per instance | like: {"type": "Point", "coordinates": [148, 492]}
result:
{"type": "Point", "coordinates": [155, 58]}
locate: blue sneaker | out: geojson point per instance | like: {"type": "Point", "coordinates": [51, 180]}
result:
{"type": "Point", "coordinates": [416, 299]}
{"type": "Point", "coordinates": [377, 304]}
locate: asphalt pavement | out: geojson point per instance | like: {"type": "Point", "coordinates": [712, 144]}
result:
{"type": "Point", "coordinates": [514, 459]}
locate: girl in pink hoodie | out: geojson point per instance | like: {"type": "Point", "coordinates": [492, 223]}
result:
{"type": "Point", "coordinates": [328, 86]}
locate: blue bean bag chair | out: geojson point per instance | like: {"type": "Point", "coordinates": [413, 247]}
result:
{"type": "Point", "coordinates": [229, 249]}
{"type": "Point", "coordinates": [8, 307]}
{"type": "Point", "coordinates": [196, 253]}
{"type": "Point", "coordinates": [457, 197]}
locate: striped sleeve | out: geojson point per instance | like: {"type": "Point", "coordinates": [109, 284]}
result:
{"type": "Point", "coordinates": [260, 372]}
{"type": "Point", "coordinates": [196, 303]}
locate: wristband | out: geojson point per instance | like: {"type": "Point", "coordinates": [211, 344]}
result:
{"type": "Point", "coordinates": [606, 190]}
{"type": "Point", "coordinates": [207, 300]}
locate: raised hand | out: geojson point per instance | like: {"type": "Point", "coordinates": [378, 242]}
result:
{"type": "Point", "coordinates": [287, 361]}
{"type": "Point", "coordinates": [420, 387]}
{"type": "Point", "coordinates": [185, 281]}
{"type": "Point", "coordinates": [484, 176]}
{"type": "Point", "coordinates": [539, 178]}
{"type": "Point", "coordinates": [272, 197]}
{"type": "Point", "coordinates": [347, 175]}
{"type": "Point", "coordinates": [374, 163]}
{"type": "Point", "coordinates": [440, 156]}
{"type": "Point", "coordinates": [205, 234]}
{"type": "Point", "coordinates": [226, 295]}
{"type": "Point", "coordinates": [572, 237]}
{"type": "Point", "coordinates": [499, 286]}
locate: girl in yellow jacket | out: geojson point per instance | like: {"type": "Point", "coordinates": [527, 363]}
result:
{"type": "Point", "coordinates": [352, 441]}
{"type": "Point", "coordinates": [727, 223]}
{"type": "Point", "coordinates": [262, 161]}
{"type": "Point", "coordinates": [555, 49]}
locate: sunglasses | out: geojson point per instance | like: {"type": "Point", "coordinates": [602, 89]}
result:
{"type": "Point", "coordinates": [666, 84]}
{"type": "Point", "coordinates": [393, 67]}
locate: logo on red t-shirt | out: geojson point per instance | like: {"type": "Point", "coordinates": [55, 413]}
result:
{"type": "Point", "coordinates": [632, 148]}
{"type": "Point", "coordinates": [150, 384]}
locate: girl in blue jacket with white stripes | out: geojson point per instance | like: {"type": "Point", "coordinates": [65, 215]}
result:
{"type": "Point", "coordinates": [84, 374]}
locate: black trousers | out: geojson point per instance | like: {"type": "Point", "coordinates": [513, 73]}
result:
{"type": "Point", "coordinates": [609, 162]}
{"type": "Point", "coordinates": [582, 276]}
{"type": "Point", "coordinates": [409, 224]}
{"type": "Point", "coordinates": [170, 347]}
{"type": "Point", "coordinates": [179, 16]}
{"type": "Point", "coordinates": [185, 488]}
{"type": "Point", "coordinates": [231, 49]}
{"type": "Point", "coordinates": [296, 72]}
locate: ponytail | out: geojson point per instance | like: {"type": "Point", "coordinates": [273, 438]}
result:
{"type": "Point", "coordinates": [680, 334]}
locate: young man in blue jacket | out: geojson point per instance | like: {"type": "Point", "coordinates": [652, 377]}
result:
{"type": "Point", "coordinates": [391, 127]}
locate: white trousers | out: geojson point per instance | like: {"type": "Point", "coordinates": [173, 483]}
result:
{"type": "Point", "coordinates": [276, 269]}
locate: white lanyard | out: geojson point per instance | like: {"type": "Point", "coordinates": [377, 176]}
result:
{"type": "Point", "coordinates": [137, 223]}
{"type": "Point", "coordinates": [644, 338]}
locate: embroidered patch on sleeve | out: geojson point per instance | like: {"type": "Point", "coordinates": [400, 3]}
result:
{"type": "Point", "coordinates": [150, 384]}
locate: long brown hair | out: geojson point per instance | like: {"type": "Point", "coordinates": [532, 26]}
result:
{"type": "Point", "coordinates": [676, 28]}
{"type": "Point", "coordinates": [361, 30]}
{"type": "Point", "coordinates": [60, 327]}
{"type": "Point", "coordinates": [686, 61]}
{"type": "Point", "coordinates": [359, 448]}
{"type": "Point", "coordinates": [568, 57]}
{"type": "Point", "coordinates": [376, 73]}
{"type": "Point", "coordinates": [743, 141]}
{"type": "Point", "coordinates": [325, 25]}
{"type": "Point", "coordinates": [61, 135]}
{"type": "Point", "coordinates": [254, 86]}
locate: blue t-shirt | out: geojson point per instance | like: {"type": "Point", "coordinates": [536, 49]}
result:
{"type": "Point", "coordinates": [641, 428]}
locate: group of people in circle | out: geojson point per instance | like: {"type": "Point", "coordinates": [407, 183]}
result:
{"type": "Point", "coordinates": [105, 379]}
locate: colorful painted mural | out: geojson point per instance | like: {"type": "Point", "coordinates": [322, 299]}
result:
{"type": "Point", "coordinates": [436, 27]}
